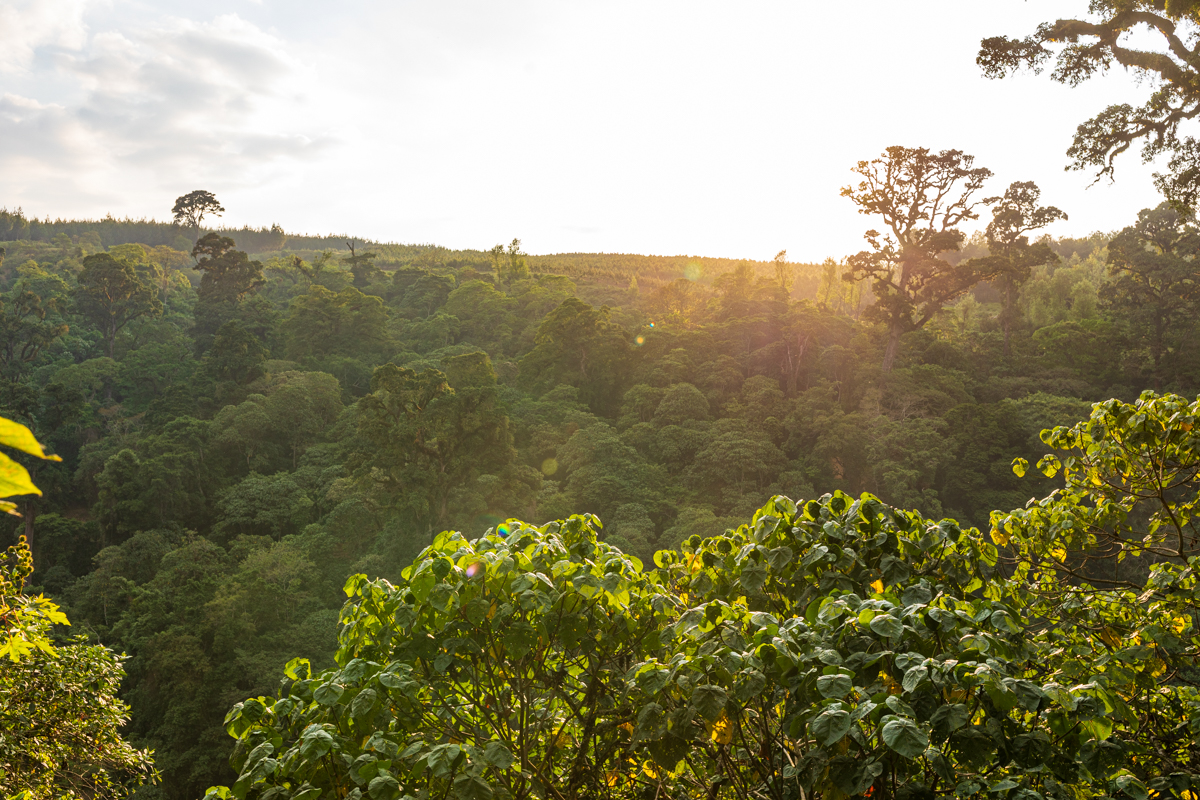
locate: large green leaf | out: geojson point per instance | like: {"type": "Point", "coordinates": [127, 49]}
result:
{"type": "Point", "coordinates": [887, 625]}
{"type": "Point", "coordinates": [362, 704]}
{"type": "Point", "coordinates": [709, 701]}
{"type": "Point", "coordinates": [496, 754]}
{"type": "Point", "coordinates": [947, 719]}
{"type": "Point", "coordinates": [472, 787]}
{"type": "Point", "coordinates": [853, 774]}
{"type": "Point", "coordinates": [328, 693]}
{"type": "Point", "coordinates": [384, 787]}
{"type": "Point", "coordinates": [903, 736]}
{"type": "Point", "coordinates": [835, 686]}
{"type": "Point", "coordinates": [14, 479]}
{"type": "Point", "coordinates": [830, 726]}
{"type": "Point", "coordinates": [315, 743]}
{"type": "Point", "coordinates": [18, 437]}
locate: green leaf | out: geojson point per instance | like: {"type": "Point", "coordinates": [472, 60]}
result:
{"type": "Point", "coordinates": [497, 755]}
{"type": "Point", "coordinates": [903, 736]}
{"type": "Point", "coordinates": [1019, 467]}
{"type": "Point", "coordinates": [472, 787]}
{"type": "Point", "coordinates": [384, 787]}
{"type": "Point", "coordinates": [362, 704]}
{"type": "Point", "coordinates": [14, 479]}
{"type": "Point", "coordinates": [830, 726]}
{"type": "Point", "coordinates": [947, 719]}
{"type": "Point", "coordinates": [887, 625]}
{"type": "Point", "coordinates": [315, 743]}
{"type": "Point", "coordinates": [298, 669]}
{"type": "Point", "coordinates": [443, 758]}
{"type": "Point", "coordinates": [916, 595]}
{"type": "Point", "coordinates": [709, 701]}
{"type": "Point", "coordinates": [328, 693]}
{"type": "Point", "coordinates": [852, 774]}
{"type": "Point", "coordinates": [18, 437]}
{"type": "Point", "coordinates": [899, 706]}
{"type": "Point", "coordinates": [972, 745]}
{"type": "Point", "coordinates": [753, 577]}
{"type": "Point", "coordinates": [1132, 787]}
{"type": "Point", "coordinates": [835, 686]}
{"type": "Point", "coordinates": [1098, 729]}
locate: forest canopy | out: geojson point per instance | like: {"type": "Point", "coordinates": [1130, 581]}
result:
{"type": "Point", "coordinates": [338, 518]}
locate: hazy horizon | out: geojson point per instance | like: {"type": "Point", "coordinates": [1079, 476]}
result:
{"type": "Point", "coordinates": [623, 128]}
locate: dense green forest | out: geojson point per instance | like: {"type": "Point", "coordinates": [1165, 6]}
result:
{"type": "Point", "coordinates": [241, 431]}
{"type": "Point", "coordinates": [616, 525]}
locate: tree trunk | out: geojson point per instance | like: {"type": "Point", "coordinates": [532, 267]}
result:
{"type": "Point", "coordinates": [893, 348]}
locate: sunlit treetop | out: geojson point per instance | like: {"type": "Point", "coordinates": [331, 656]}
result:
{"type": "Point", "coordinates": [1156, 41]}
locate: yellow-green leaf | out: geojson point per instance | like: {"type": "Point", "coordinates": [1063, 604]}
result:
{"type": "Point", "coordinates": [14, 479]}
{"type": "Point", "coordinates": [1019, 465]}
{"type": "Point", "coordinates": [18, 437]}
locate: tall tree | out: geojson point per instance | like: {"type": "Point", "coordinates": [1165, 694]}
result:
{"type": "Point", "coordinates": [362, 265]}
{"type": "Point", "coordinates": [321, 323]}
{"type": "Point", "coordinates": [229, 274]}
{"type": "Point", "coordinates": [432, 434]}
{"type": "Point", "coordinates": [580, 346]}
{"type": "Point", "coordinates": [1155, 278]}
{"type": "Point", "coordinates": [24, 330]}
{"type": "Point", "coordinates": [191, 209]}
{"type": "Point", "coordinates": [1011, 258]}
{"type": "Point", "coordinates": [1154, 40]}
{"type": "Point", "coordinates": [112, 294]}
{"type": "Point", "coordinates": [922, 198]}
{"type": "Point", "coordinates": [783, 272]}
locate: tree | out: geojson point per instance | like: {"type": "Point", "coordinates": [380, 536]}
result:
{"type": "Point", "coordinates": [362, 266]}
{"type": "Point", "coordinates": [111, 294]}
{"type": "Point", "coordinates": [836, 648]}
{"type": "Point", "coordinates": [59, 712]}
{"type": "Point", "coordinates": [1164, 55]}
{"type": "Point", "coordinates": [24, 330]}
{"type": "Point", "coordinates": [428, 435]}
{"type": "Point", "coordinates": [509, 263]}
{"type": "Point", "coordinates": [1011, 258]}
{"type": "Point", "coordinates": [1155, 280]}
{"type": "Point", "coordinates": [578, 345]}
{"type": "Point", "coordinates": [229, 274]}
{"type": "Point", "coordinates": [1107, 564]}
{"type": "Point", "coordinates": [922, 197]}
{"type": "Point", "coordinates": [783, 273]}
{"type": "Point", "coordinates": [191, 209]}
{"type": "Point", "coordinates": [321, 323]}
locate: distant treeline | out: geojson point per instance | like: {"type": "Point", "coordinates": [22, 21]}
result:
{"type": "Point", "coordinates": [15, 226]}
{"type": "Point", "coordinates": [605, 268]}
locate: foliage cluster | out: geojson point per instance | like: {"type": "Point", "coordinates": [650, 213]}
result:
{"type": "Point", "coordinates": [839, 648]}
{"type": "Point", "coordinates": [240, 432]}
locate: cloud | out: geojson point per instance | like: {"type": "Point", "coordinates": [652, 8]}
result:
{"type": "Point", "coordinates": [28, 25]}
{"type": "Point", "coordinates": [186, 101]}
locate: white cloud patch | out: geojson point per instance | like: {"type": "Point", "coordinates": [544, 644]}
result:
{"type": "Point", "coordinates": [186, 101]}
{"type": "Point", "coordinates": [27, 25]}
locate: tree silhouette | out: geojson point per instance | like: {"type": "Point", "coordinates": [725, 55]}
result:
{"type": "Point", "coordinates": [191, 209]}
{"type": "Point", "coordinates": [922, 197]}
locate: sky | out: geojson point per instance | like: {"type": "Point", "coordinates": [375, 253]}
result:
{"type": "Point", "coordinates": [659, 127]}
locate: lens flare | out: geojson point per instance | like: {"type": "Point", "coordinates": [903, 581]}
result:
{"type": "Point", "coordinates": [693, 271]}
{"type": "Point", "coordinates": [502, 529]}
{"type": "Point", "coordinates": [474, 569]}
{"type": "Point", "coordinates": [639, 341]}
{"type": "Point", "coordinates": [549, 466]}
